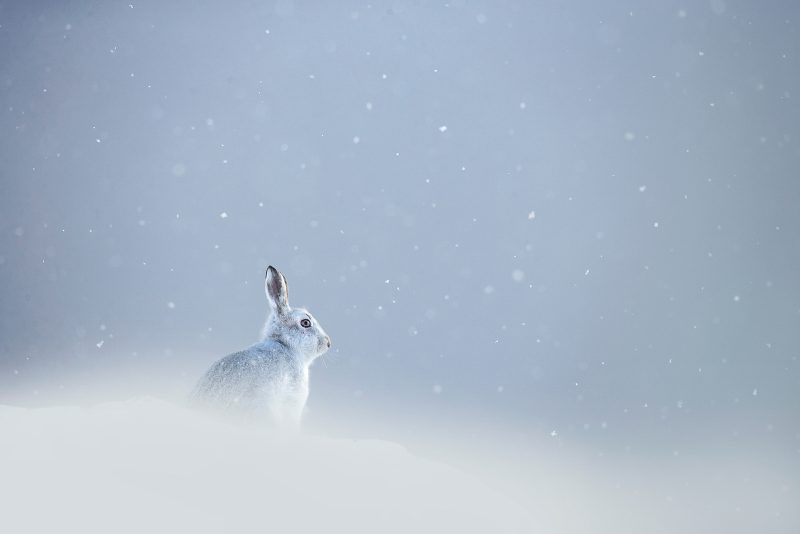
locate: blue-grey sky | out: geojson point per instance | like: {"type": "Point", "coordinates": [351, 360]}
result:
{"type": "Point", "coordinates": [576, 219]}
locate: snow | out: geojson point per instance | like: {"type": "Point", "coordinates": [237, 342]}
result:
{"type": "Point", "coordinates": [150, 466]}
{"type": "Point", "coordinates": [146, 465]}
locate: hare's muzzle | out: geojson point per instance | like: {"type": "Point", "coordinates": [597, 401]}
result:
{"type": "Point", "coordinates": [328, 340]}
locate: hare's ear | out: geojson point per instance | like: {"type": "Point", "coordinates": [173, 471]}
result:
{"type": "Point", "coordinates": [277, 291]}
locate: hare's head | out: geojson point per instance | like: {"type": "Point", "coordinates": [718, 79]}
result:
{"type": "Point", "coordinates": [295, 327]}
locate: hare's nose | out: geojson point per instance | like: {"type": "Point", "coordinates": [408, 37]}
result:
{"type": "Point", "coordinates": [328, 338]}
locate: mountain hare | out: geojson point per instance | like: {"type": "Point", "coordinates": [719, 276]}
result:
{"type": "Point", "coordinates": [272, 375]}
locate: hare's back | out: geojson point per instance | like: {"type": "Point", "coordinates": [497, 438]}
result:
{"type": "Point", "coordinates": [238, 376]}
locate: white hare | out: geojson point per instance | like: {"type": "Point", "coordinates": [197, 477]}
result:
{"type": "Point", "coordinates": [272, 375]}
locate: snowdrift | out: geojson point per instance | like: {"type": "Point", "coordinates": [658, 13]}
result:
{"type": "Point", "coordinates": [150, 466]}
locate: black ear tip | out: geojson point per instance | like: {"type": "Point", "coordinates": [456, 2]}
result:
{"type": "Point", "coordinates": [272, 270]}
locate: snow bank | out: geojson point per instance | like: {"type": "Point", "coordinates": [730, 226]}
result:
{"type": "Point", "coordinates": [150, 466]}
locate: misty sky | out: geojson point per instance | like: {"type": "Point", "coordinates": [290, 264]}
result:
{"type": "Point", "coordinates": [576, 219]}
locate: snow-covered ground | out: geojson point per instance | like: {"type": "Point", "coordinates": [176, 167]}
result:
{"type": "Point", "coordinates": [151, 466]}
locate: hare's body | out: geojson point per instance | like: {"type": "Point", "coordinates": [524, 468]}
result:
{"type": "Point", "coordinates": [270, 377]}
{"type": "Point", "coordinates": [262, 378]}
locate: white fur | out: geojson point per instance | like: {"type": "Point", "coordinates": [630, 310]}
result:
{"type": "Point", "coordinates": [271, 376]}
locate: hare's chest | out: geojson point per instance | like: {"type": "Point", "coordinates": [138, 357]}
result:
{"type": "Point", "coordinates": [287, 395]}
{"type": "Point", "coordinates": [290, 386]}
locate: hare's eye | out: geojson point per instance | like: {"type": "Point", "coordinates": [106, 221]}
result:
{"type": "Point", "coordinates": [305, 323]}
